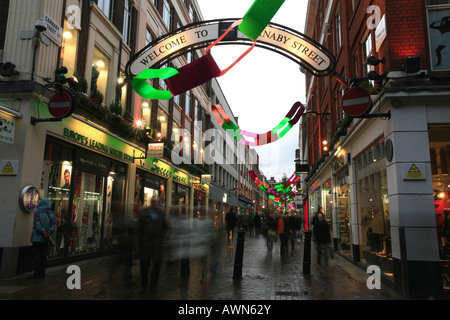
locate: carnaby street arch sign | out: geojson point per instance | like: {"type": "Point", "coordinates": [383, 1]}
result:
{"type": "Point", "coordinates": [304, 51]}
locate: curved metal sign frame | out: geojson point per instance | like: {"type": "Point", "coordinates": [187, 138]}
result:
{"type": "Point", "coordinates": [301, 49]}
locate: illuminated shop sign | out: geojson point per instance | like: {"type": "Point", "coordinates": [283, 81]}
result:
{"type": "Point", "coordinates": [96, 145]}
{"type": "Point", "coordinates": [165, 170]}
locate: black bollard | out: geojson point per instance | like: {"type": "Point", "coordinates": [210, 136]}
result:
{"type": "Point", "coordinates": [239, 255]}
{"type": "Point", "coordinates": [307, 253]}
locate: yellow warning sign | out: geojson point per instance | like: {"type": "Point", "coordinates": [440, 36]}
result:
{"type": "Point", "coordinates": [8, 169]}
{"type": "Point", "coordinates": [414, 173]}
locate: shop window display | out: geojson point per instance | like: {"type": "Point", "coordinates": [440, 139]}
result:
{"type": "Point", "coordinates": [373, 208]}
{"type": "Point", "coordinates": [55, 185]}
{"type": "Point", "coordinates": [148, 186]}
{"type": "Point", "coordinates": [342, 199]}
{"type": "Point", "coordinates": [180, 199]}
{"type": "Point", "coordinates": [87, 195]}
{"type": "Point", "coordinates": [86, 207]}
{"type": "Point", "coordinates": [440, 166]}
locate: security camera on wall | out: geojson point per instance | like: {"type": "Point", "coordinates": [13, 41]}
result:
{"type": "Point", "coordinates": [40, 25]}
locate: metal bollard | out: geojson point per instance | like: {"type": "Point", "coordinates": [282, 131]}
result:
{"type": "Point", "coordinates": [239, 255]}
{"type": "Point", "coordinates": [307, 253]}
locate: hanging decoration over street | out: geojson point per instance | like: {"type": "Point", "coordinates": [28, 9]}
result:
{"type": "Point", "coordinates": [254, 29]}
{"type": "Point", "coordinates": [282, 194]}
{"type": "Point", "coordinates": [291, 119]}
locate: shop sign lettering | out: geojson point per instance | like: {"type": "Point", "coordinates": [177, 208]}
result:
{"type": "Point", "coordinates": [96, 145]}
{"type": "Point", "coordinates": [170, 172]}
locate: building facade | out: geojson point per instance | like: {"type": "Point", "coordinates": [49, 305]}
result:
{"type": "Point", "coordinates": [93, 164]}
{"type": "Point", "coordinates": [381, 178]}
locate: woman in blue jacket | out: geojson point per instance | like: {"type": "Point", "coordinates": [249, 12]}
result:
{"type": "Point", "coordinates": [44, 224]}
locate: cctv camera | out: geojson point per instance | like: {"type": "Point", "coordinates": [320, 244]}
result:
{"type": "Point", "coordinates": [40, 25]}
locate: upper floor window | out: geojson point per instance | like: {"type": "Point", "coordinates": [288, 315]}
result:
{"type": "Point", "coordinates": [69, 48]}
{"type": "Point", "coordinates": [167, 17]}
{"type": "Point", "coordinates": [127, 22]}
{"type": "Point", "coordinates": [100, 71]}
{"type": "Point", "coordinates": [337, 28]}
{"type": "Point", "coordinates": [192, 13]}
{"type": "Point", "coordinates": [106, 7]}
{"type": "Point", "coordinates": [148, 37]}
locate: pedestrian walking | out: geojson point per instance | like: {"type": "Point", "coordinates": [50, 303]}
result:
{"type": "Point", "coordinates": [257, 224]}
{"type": "Point", "coordinates": [270, 230]}
{"type": "Point", "coordinates": [230, 220]}
{"type": "Point", "coordinates": [283, 232]}
{"type": "Point", "coordinates": [323, 239]}
{"type": "Point", "coordinates": [152, 228]}
{"type": "Point", "coordinates": [251, 223]}
{"type": "Point", "coordinates": [315, 222]}
{"type": "Point", "coordinates": [44, 225]}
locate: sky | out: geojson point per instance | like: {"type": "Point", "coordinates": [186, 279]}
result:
{"type": "Point", "coordinates": [262, 87]}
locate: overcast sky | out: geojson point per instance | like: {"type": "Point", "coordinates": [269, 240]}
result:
{"type": "Point", "coordinates": [262, 87]}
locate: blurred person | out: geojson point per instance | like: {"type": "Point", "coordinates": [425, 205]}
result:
{"type": "Point", "coordinates": [323, 239]}
{"type": "Point", "coordinates": [257, 224]}
{"type": "Point", "coordinates": [152, 228]}
{"type": "Point", "coordinates": [44, 225]}
{"type": "Point", "coordinates": [283, 232]}
{"type": "Point", "coordinates": [230, 220]}
{"type": "Point", "coordinates": [270, 230]}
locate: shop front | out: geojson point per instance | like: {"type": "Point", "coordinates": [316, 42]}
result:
{"type": "Point", "coordinates": [341, 196]}
{"type": "Point", "coordinates": [87, 192]}
{"type": "Point", "coordinates": [439, 137]}
{"type": "Point", "coordinates": [373, 208]}
{"type": "Point", "coordinates": [200, 201]}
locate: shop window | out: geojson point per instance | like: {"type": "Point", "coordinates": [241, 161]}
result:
{"type": "Point", "coordinates": [180, 199]}
{"type": "Point", "coordinates": [373, 208]}
{"type": "Point", "coordinates": [55, 185]}
{"type": "Point", "coordinates": [100, 71]}
{"type": "Point", "coordinates": [69, 48]}
{"type": "Point", "coordinates": [87, 193]}
{"type": "Point", "coordinates": [343, 217]}
{"type": "Point", "coordinates": [440, 167]}
{"type": "Point", "coordinates": [148, 186]}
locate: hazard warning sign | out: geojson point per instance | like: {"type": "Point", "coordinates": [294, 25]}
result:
{"type": "Point", "coordinates": [8, 167]}
{"type": "Point", "coordinates": [414, 171]}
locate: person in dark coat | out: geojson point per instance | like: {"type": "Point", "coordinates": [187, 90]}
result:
{"type": "Point", "coordinates": [44, 225]}
{"type": "Point", "coordinates": [230, 220]}
{"type": "Point", "coordinates": [323, 238]}
{"type": "Point", "coordinates": [152, 228]}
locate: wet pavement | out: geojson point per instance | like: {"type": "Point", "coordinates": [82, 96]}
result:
{"type": "Point", "coordinates": [266, 276]}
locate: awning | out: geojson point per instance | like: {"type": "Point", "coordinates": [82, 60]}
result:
{"type": "Point", "coordinates": [245, 203]}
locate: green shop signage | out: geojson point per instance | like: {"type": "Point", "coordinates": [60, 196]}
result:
{"type": "Point", "coordinates": [96, 145]}
{"type": "Point", "coordinates": [163, 169]}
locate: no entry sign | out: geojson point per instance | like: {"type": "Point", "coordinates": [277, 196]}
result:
{"type": "Point", "coordinates": [60, 105]}
{"type": "Point", "coordinates": [356, 102]}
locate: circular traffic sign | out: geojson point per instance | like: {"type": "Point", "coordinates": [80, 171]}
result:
{"type": "Point", "coordinates": [356, 102]}
{"type": "Point", "coordinates": [60, 105]}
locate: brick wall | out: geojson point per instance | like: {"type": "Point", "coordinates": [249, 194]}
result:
{"type": "Point", "coordinates": [406, 24]}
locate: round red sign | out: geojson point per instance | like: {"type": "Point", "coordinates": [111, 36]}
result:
{"type": "Point", "coordinates": [60, 105]}
{"type": "Point", "coordinates": [356, 102]}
